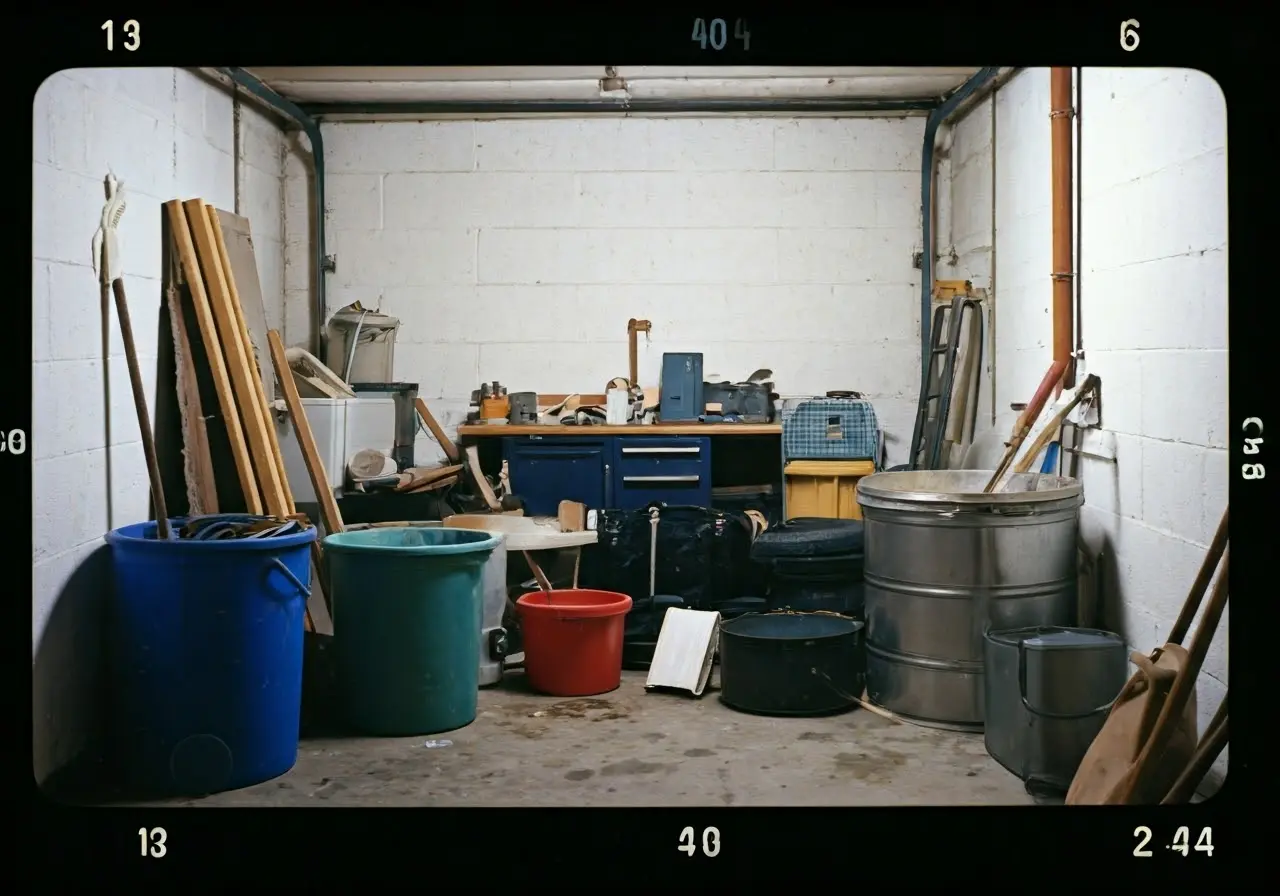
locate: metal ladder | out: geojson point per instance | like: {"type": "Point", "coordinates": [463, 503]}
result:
{"type": "Point", "coordinates": [938, 381]}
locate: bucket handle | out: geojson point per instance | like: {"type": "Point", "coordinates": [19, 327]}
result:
{"type": "Point", "coordinates": [1044, 714]}
{"type": "Point", "coordinates": [297, 583]}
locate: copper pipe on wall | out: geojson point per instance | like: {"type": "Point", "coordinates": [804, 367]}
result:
{"type": "Point", "coordinates": [1060, 115]}
{"type": "Point", "coordinates": [1079, 188]}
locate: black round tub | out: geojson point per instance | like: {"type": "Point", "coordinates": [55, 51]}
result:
{"type": "Point", "coordinates": [791, 664]}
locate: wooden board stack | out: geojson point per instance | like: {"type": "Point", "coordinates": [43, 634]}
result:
{"type": "Point", "coordinates": [218, 323]}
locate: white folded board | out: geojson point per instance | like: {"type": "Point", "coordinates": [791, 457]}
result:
{"type": "Point", "coordinates": [685, 651]}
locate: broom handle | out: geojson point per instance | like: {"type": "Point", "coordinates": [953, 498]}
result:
{"type": "Point", "coordinates": [140, 405]}
{"type": "Point", "coordinates": [1192, 606]}
{"type": "Point", "coordinates": [1026, 420]}
{"type": "Point", "coordinates": [1051, 428]}
{"type": "Point", "coordinates": [1206, 753]}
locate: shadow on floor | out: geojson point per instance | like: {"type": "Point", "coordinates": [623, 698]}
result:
{"type": "Point", "coordinates": [632, 747]}
{"type": "Point", "coordinates": [91, 779]}
{"type": "Point", "coordinates": [629, 747]}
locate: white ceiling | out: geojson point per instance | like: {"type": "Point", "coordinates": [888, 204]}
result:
{"type": "Point", "coordinates": [477, 84]}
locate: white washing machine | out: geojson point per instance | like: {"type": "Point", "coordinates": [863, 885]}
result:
{"type": "Point", "coordinates": [493, 606]}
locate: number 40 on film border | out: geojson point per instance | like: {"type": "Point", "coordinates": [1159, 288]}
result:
{"type": "Point", "coordinates": [710, 842]}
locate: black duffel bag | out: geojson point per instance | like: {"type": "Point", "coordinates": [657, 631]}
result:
{"type": "Point", "coordinates": [703, 555]}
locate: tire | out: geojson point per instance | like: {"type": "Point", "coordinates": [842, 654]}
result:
{"type": "Point", "coordinates": [832, 568]}
{"type": "Point", "coordinates": [809, 537]}
{"type": "Point", "coordinates": [846, 598]}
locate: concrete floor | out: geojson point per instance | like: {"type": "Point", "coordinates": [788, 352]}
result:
{"type": "Point", "coordinates": [633, 748]}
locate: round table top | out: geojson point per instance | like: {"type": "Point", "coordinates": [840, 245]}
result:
{"type": "Point", "coordinates": [523, 533]}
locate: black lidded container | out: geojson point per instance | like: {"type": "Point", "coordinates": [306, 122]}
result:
{"type": "Point", "coordinates": [1047, 691]}
{"type": "Point", "coordinates": [791, 664]}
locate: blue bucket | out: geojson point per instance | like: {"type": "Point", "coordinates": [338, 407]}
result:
{"type": "Point", "coordinates": [205, 640]}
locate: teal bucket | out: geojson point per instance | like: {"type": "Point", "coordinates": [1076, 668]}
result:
{"type": "Point", "coordinates": [406, 626]}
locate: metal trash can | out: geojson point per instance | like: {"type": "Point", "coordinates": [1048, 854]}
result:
{"type": "Point", "coordinates": [1048, 690]}
{"type": "Point", "coordinates": [946, 562]}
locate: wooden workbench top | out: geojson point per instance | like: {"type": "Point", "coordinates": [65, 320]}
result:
{"type": "Point", "coordinates": [628, 429]}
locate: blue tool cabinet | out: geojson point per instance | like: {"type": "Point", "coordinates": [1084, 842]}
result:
{"type": "Point", "coordinates": [608, 472]}
{"type": "Point", "coordinates": [546, 471]}
{"type": "Point", "coordinates": [670, 469]}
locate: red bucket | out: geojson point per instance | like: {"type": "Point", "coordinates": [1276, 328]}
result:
{"type": "Point", "coordinates": [573, 640]}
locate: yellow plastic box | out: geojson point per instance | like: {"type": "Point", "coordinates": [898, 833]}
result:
{"type": "Point", "coordinates": [824, 488]}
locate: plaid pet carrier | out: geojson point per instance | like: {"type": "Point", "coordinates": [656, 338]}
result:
{"type": "Point", "coordinates": [831, 429]}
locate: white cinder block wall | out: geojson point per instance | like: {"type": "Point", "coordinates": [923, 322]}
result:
{"type": "Point", "coordinates": [517, 250]}
{"type": "Point", "coordinates": [1153, 270]}
{"type": "Point", "coordinates": [167, 134]}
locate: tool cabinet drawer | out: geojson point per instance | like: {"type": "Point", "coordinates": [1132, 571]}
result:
{"type": "Point", "coordinates": [671, 470]}
{"type": "Point", "coordinates": [545, 472]}
{"type": "Point", "coordinates": [658, 456]}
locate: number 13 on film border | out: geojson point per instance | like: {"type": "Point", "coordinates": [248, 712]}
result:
{"type": "Point", "coordinates": [131, 30]}
{"type": "Point", "coordinates": [154, 842]}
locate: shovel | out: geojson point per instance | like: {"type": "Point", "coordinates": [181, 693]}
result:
{"type": "Point", "coordinates": [1149, 736]}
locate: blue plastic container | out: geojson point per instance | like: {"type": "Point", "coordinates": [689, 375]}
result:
{"type": "Point", "coordinates": [205, 640]}
{"type": "Point", "coordinates": [406, 626]}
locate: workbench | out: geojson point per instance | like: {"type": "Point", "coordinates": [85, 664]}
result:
{"type": "Point", "coordinates": [630, 466]}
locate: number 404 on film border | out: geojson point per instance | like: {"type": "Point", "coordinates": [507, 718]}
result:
{"type": "Point", "coordinates": [714, 35]}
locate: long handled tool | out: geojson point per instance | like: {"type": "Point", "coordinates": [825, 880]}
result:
{"type": "Point", "coordinates": [1148, 739]}
{"type": "Point", "coordinates": [1139, 781]}
{"type": "Point", "coordinates": [1051, 428]}
{"type": "Point", "coordinates": [1026, 420]}
{"type": "Point", "coordinates": [1212, 557]}
{"type": "Point", "coordinates": [1210, 747]}
{"type": "Point", "coordinates": [106, 253]}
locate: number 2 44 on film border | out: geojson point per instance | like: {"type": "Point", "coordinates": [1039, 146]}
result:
{"type": "Point", "coordinates": [1181, 843]}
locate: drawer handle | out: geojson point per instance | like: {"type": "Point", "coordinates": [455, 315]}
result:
{"type": "Point", "coordinates": [661, 478]}
{"type": "Point", "coordinates": [694, 449]}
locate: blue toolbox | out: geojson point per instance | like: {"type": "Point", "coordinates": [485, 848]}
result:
{"type": "Point", "coordinates": [680, 395]}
